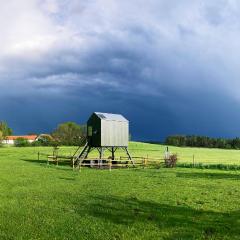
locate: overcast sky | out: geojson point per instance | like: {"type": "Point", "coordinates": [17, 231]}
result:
{"type": "Point", "coordinates": [170, 66]}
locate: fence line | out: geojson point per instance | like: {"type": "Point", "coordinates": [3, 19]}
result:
{"type": "Point", "coordinates": [105, 162]}
{"type": "Point", "coordinates": [183, 159]}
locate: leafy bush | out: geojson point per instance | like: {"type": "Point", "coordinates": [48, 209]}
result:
{"type": "Point", "coordinates": [44, 140]}
{"type": "Point", "coordinates": [171, 160]}
{"type": "Point", "coordinates": [21, 142]}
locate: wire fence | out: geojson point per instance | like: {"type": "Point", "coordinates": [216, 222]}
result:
{"type": "Point", "coordinates": [215, 159]}
{"type": "Point", "coordinates": [196, 158]}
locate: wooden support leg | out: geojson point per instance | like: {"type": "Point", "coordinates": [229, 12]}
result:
{"type": "Point", "coordinates": [110, 165]}
{"type": "Point", "coordinates": [113, 153]}
{"type": "Point", "coordinates": [88, 151]}
{"type": "Point", "coordinates": [100, 157]}
{"type": "Point", "coordinates": [129, 156]}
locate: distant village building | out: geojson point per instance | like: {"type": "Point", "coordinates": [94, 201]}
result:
{"type": "Point", "coordinates": [44, 136]}
{"type": "Point", "coordinates": [10, 139]}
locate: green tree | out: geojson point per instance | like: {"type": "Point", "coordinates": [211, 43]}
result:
{"type": "Point", "coordinates": [69, 133]}
{"type": "Point", "coordinates": [6, 131]}
{"type": "Point", "coordinates": [1, 138]}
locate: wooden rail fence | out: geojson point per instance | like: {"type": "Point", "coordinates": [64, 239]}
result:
{"type": "Point", "coordinates": [104, 163]}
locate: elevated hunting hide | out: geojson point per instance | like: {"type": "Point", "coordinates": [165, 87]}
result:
{"type": "Point", "coordinates": [107, 130]}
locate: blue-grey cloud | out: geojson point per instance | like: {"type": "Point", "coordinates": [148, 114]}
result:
{"type": "Point", "coordinates": [169, 66]}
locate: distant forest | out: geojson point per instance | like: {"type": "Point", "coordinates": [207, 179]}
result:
{"type": "Point", "coordinates": [203, 141]}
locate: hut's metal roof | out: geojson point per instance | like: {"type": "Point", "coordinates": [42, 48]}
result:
{"type": "Point", "coordinates": [111, 117]}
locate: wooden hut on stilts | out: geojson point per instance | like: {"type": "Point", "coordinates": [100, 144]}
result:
{"type": "Point", "coordinates": [105, 132]}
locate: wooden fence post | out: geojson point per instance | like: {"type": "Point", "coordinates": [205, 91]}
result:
{"type": "Point", "coordinates": [80, 166]}
{"type": "Point", "coordinates": [110, 165]}
{"type": "Point", "coordinates": [73, 163]}
{"type": "Point", "coordinates": [145, 162]}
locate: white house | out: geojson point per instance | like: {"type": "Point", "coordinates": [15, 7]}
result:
{"type": "Point", "coordinates": [10, 139]}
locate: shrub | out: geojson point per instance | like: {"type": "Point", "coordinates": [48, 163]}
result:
{"type": "Point", "coordinates": [21, 142]}
{"type": "Point", "coordinates": [171, 160]}
{"type": "Point", "coordinates": [44, 140]}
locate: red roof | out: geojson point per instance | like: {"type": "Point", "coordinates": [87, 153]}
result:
{"type": "Point", "coordinates": [28, 137]}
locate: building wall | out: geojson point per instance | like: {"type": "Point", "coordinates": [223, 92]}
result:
{"type": "Point", "coordinates": [95, 123]}
{"type": "Point", "coordinates": [114, 133]}
{"type": "Point", "coordinates": [11, 142]}
{"type": "Point", "coordinates": [107, 133]}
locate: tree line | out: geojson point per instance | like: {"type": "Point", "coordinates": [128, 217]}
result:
{"type": "Point", "coordinates": [202, 141]}
{"type": "Point", "coordinates": [68, 133]}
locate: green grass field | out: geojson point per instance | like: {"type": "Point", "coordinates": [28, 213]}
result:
{"type": "Point", "coordinates": [185, 154]}
{"type": "Point", "coordinates": [42, 202]}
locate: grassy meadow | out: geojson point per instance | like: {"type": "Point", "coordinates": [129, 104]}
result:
{"type": "Point", "coordinates": [49, 202]}
{"type": "Point", "coordinates": [185, 154]}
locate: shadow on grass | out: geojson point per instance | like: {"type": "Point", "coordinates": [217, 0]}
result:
{"type": "Point", "coordinates": [63, 166]}
{"type": "Point", "coordinates": [179, 222]}
{"type": "Point", "coordinates": [38, 162]}
{"type": "Point", "coordinates": [225, 167]}
{"type": "Point", "coordinates": [209, 175]}
{"type": "Point", "coordinates": [201, 173]}
{"type": "Point", "coordinates": [67, 178]}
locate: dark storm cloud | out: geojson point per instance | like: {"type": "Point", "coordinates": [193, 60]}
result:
{"type": "Point", "coordinates": [169, 67]}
